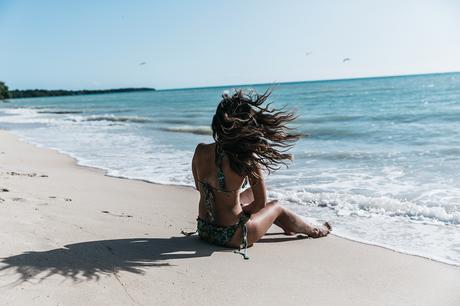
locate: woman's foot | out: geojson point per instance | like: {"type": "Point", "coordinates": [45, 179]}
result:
{"type": "Point", "coordinates": [318, 231]}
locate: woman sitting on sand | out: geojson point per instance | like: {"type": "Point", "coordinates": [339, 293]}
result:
{"type": "Point", "coordinates": [249, 139]}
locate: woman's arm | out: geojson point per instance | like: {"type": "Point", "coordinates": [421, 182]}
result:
{"type": "Point", "coordinates": [194, 170]}
{"type": "Point", "coordinates": [254, 199]}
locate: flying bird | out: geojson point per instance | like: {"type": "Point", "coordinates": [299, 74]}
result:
{"type": "Point", "coordinates": [308, 53]}
{"type": "Point", "coordinates": [142, 64]}
{"type": "Point", "coordinates": [346, 59]}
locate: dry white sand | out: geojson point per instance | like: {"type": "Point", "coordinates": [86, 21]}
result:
{"type": "Point", "coordinates": [72, 236]}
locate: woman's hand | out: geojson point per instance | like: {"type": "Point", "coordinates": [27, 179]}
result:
{"type": "Point", "coordinates": [252, 207]}
{"type": "Point", "coordinates": [247, 208]}
{"type": "Point", "coordinates": [246, 197]}
{"type": "Point", "coordinates": [254, 198]}
{"type": "Point", "coordinates": [248, 204]}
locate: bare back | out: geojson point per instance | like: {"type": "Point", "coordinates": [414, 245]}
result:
{"type": "Point", "coordinates": [227, 202]}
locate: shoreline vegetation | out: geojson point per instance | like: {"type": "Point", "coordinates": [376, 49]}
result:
{"type": "Point", "coordinates": [5, 93]}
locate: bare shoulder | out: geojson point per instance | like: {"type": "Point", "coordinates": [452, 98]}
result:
{"type": "Point", "coordinates": [201, 151]}
{"type": "Point", "coordinates": [200, 147]}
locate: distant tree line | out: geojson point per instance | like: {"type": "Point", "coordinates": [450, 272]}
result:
{"type": "Point", "coordinates": [33, 93]}
{"type": "Point", "coordinates": [4, 93]}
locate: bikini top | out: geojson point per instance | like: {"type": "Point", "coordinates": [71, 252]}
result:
{"type": "Point", "coordinates": [209, 198]}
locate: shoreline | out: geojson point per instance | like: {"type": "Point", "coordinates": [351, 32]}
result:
{"type": "Point", "coordinates": [105, 172]}
{"type": "Point", "coordinates": [122, 237]}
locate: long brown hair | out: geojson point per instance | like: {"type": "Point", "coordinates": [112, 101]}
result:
{"type": "Point", "coordinates": [252, 136]}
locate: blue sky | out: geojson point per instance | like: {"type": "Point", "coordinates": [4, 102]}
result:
{"type": "Point", "coordinates": [100, 44]}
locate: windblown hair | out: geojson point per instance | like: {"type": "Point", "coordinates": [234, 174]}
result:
{"type": "Point", "coordinates": [252, 136]}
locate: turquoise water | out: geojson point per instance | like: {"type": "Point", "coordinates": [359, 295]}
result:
{"type": "Point", "coordinates": [380, 158]}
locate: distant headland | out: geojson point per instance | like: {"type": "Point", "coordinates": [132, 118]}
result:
{"type": "Point", "coordinates": [35, 93]}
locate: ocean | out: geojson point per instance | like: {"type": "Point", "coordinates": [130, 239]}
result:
{"type": "Point", "coordinates": [379, 159]}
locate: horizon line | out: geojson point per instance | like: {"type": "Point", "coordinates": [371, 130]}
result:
{"type": "Point", "coordinates": [310, 81]}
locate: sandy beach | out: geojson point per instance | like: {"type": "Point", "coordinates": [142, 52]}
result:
{"type": "Point", "coordinates": [73, 236]}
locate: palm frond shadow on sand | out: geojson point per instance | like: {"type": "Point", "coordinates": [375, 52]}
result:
{"type": "Point", "coordinates": [90, 260]}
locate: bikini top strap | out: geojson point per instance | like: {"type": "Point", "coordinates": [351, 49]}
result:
{"type": "Point", "coordinates": [220, 154]}
{"type": "Point", "coordinates": [208, 201]}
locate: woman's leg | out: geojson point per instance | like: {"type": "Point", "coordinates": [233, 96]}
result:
{"type": "Point", "coordinates": [290, 222]}
{"type": "Point", "coordinates": [247, 197]}
{"type": "Point", "coordinates": [260, 222]}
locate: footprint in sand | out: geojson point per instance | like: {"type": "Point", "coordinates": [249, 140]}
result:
{"type": "Point", "coordinates": [12, 173]}
{"type": "Point", "coordinates": [123, 215]}
{"type": "Point", "coordinates": [65, 199]}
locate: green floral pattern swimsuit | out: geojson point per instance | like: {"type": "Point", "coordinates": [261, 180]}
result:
{"type": "Point", "coordinates": [208, 230]}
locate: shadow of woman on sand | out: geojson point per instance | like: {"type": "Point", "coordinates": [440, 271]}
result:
{"type": "Point", "coordinates": [90, 260]}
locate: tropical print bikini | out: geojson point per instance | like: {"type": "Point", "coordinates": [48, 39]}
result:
{"type": "Point", "coordinates": [208, 230]}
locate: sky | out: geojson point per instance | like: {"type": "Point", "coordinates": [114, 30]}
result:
{"type": "Point", "coordinates": [176, 44]}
